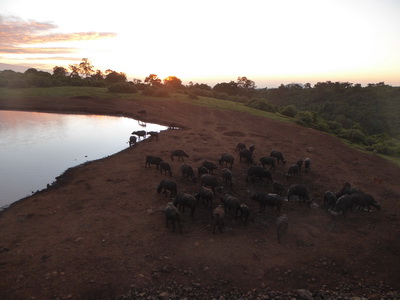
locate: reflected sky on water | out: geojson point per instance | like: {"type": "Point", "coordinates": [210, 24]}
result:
{"type": "Point", "coordinates": [35, 148]}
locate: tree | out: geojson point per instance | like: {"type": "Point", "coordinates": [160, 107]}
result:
{"type": "Point", "coordinates": [31, 71]}
{"type": "Point", "coordinates": [113, 77]}
{"type": "Point", "coordinates": [173, 82]}
{"type": "Point", "coordinates": [230, 88]}
{"type": "Point", "coordinates": [60, 71]}
{"type": "Point", "coordinates": [74, 71]}
{"type": "Point", "coordinates": [98, 75]}
{"type": "Point", "coordinates": [153, 80]}
{"type": "Point", "coordinates": [85, 67]}
{"type": "Point", "coordinates": [246, 84]}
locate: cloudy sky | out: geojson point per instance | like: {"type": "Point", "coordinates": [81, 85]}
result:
{"type": "Point", "coordinates": [209, 41]}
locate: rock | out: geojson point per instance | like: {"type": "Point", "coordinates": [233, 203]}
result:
{"type": "Point", "coordinates": [163, 296]}
{"type": "Point", "coordinates": [304, 294]}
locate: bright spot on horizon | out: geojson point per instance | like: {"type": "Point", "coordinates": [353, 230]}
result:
{"type": "Point", "coordinates": [269, 42]}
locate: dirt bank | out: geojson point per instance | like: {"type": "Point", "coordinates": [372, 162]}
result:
{"type": "Point", "coordinates": [101, 230]}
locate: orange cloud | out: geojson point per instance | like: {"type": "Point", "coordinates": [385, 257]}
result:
{"type": "Point", "coordinates": [16, 33]}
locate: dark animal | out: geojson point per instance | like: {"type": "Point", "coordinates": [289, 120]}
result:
{"type": "Point", "coordinates": [172, 215]}
{"type": "Point", "coordinates": [227, 177]}
{"type": "Point", "coordinates": [153, 135]}
{"type": "Point", "coordinates": [240, 147]}
{"type": "Point", "coordinates": [362, 200]}
{"type": "Point", "coordinates": [164, 166]}
{"type": "Point", "coordinates": [140, 133]}
{"type": "Point", "coordinates": [293, 170]}
{"type": "Point", "coordinates": [205, 195]}
{"type": "Point", "coordinates": [166, 185]}
{"type": "Point", "coordinates": [142, 112]}
{"type": "Point", "coordinates": [152, 160]}
{"type": "Point", "coordinates": [300, 164]}
{"type": "Point", "coordinates": [258, 172]}
{"type": "Point", "coordinates": [329, 200]}
{"type": "Point", "coordinates": [299, 190]}
{"type": "Point", "coordinates": [278, 155]}
{"type": "Point", "coordinates": [210, 181]}
{"type": "Point", "coordinates": [187, 171]}
{"type": "Point", "coordinates": [201, 170]}
{"type": "Point", "coordinates": [347, 189]}
{"type": "Point", "coordinates": [307, 165]}
{"type": "Point", "coordinates": [218, 216]}
{"type": "Point", "coordinates": [132, 140]}
{"type": "Point", "coordinates": [231, 203]}
{"type": "Point", "coordinates": [244, 212]}
{"type": "Point", "coordinates": [278, 188]}
{"type": "Point", "coordinates": [179, 153]}
{"type": "Point", "coordinates": [252, 148]}
{"type": "Point", "coordinates": [265, 199]}
{"type": "Point", "coordinates": [267, 160]}
{"type": "Point", "coordinates": [247, 155]}
{"type": "Point", "coordinates": [227, 159]}
{"type": "Point", "coordinates": [183, 200]}
{"type": "Point", "coordinates": [210, 166]}
{"type": "Point", "coordinates": [343, 205]}
{"type": "Point", "coordinates": [282, 224]}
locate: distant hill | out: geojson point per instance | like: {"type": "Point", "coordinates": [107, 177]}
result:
{"type": "Point", "coordinates": [15, 68]}
{"type": "Point", "coordinates": [18, 68]}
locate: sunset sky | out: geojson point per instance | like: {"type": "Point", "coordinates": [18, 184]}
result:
{"type": "Point", "coordinates": [269, 42]}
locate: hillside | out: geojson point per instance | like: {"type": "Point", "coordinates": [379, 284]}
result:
{"type": "Point", "coordinates": [100, 231]}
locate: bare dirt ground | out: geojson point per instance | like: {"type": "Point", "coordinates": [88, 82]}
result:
{"type": "Point", "coordinates": [100, 230]}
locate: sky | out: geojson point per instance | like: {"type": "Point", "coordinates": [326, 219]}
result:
{"type": "Point", "coordinates": [210, 41]}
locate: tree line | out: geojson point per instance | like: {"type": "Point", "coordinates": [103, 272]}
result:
{"type": "Point", "coordinates": [367, 116]}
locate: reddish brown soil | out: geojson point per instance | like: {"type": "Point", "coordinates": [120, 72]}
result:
{"type": "Point", "coordinates": [101, 229]}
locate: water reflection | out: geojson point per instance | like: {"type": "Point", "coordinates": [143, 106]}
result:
{"type": "Point", "coordinates": [37, 147]}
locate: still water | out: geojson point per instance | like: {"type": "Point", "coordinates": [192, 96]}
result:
{"type": "Point", "coordinates": [35, 148]}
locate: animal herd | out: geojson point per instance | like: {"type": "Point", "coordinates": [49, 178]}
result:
{"type": "Point", "coordinates": [221, 199]}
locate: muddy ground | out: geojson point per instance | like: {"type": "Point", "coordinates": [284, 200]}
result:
{"type": "Point", "coordinates": [100, 229]}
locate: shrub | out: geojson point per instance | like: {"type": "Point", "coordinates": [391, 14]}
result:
{"type": "Point", "coordinates": [160, 92]}
{"type": "Point", "coordinates": [122, 87]}
{"type": "Point", "coordinates": [306, 117]}
{"type": "Point", "coordinates": [148, 91]}
{"type": "Point", "coordinates": [289, 111]}
{"type": "Point", "coordinates": [334, 126]}
{"type": "Point", "coordinates": [322, 126]}
{"type": "Point", "coordinates": [261, 104]}
{"type": "Point", "coordinates": [354, 136]}
{"type": "Point", "coordinates": [192, 96]}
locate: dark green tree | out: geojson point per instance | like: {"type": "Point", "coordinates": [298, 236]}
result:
{"type": "Point", "coordinates": [113, 77]}
{"type": "Point", "coordinates": [173, 82]}
{"type": "Point", "coordinates": [153, 80]}
{"type": "Point", "coordinates": [60, 71]}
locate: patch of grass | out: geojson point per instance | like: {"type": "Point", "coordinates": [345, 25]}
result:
{"type": "Point", "coordinates": [103, 93]}
{"type": "Point", "coordinates": [63, 92]}
{"type": "Point", "coordinates": [230, 105]}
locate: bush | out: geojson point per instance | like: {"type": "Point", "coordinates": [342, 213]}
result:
{"type": "Point", "coordinates": [306, 117]}
{"type": "Point", "coordinates": [192, 96]}
{"type": "Point", "coordinates": [161, 93]}
{"type": "Point", "coordinates": [354, 136]}
{"type": "Point", "coordinates": [261, 104]}
{"type": "Point", "coordinates": [334, 126]}
{"type": "Point", "coordinates": [289, 111]}
{"type": "Point", "coordinates": [322, 126]}
{"type": "Point", "coordinates": [222, 96]}
{"type": "Point", "coordinates": [148, 91]}
{"type": "Point", "coordinates": [122, 87]}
